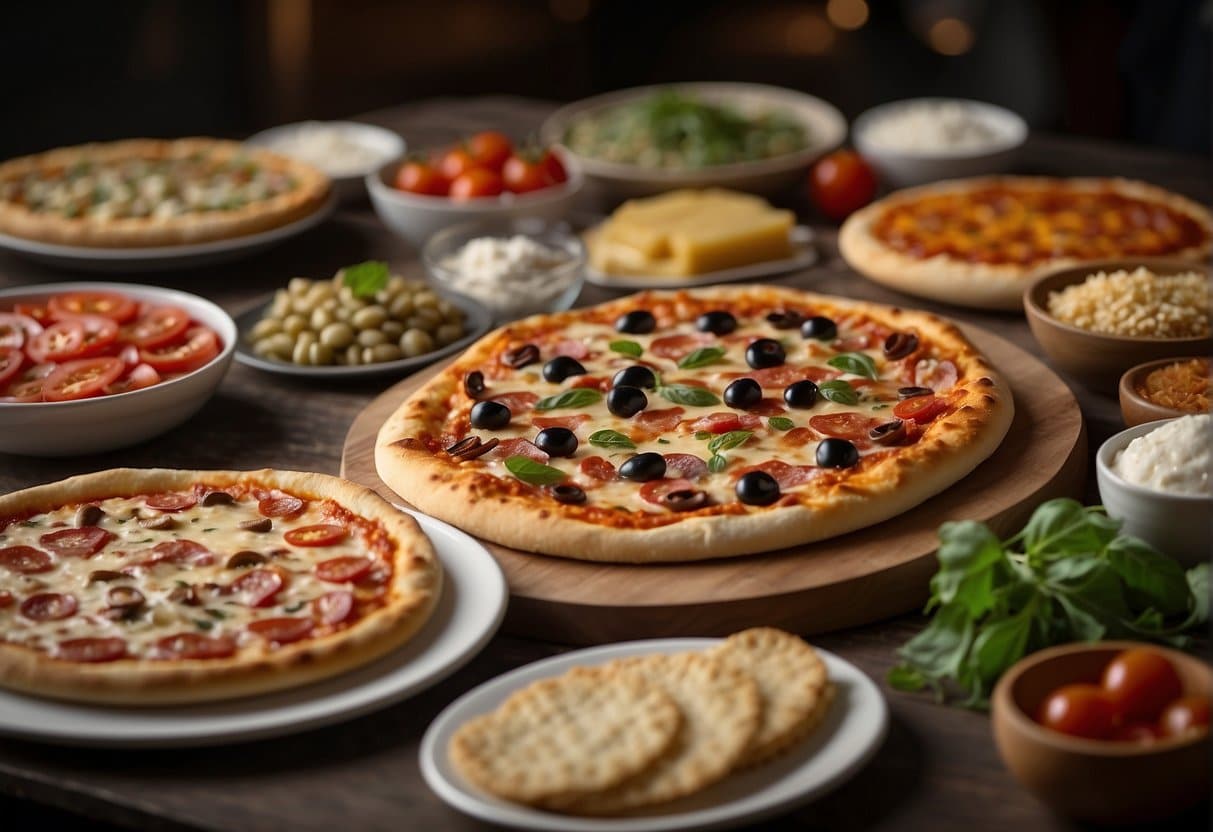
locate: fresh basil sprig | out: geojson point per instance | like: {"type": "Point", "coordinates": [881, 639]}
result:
{"type": "Point", "coordinates": [610, 439]}
{"type": "Point", "coordinates": [780, 423]}
{"type": "Point", "coordinates": [730, 440]}
{"type": "Point", "coordinates": [717, 463]}
{"type": "Point", "coordinates": [701, 357]}
{"type": "Point", "coordinates": [688, 394]}
{"type": "Point", "coordinates": [627, 348]}
{"type": "Point", "coordinates": [365, 279]}
{"type": "Point", "coordinates": [577, 397]}
{"type": "Point", "coordinates": [837, 390]}
{"type": "Point", "coordinates": [1070, 575]}
{"type": "Point", "coordinates": [856, 363]}
{"type": "Point", "coordinates": [535, 473]}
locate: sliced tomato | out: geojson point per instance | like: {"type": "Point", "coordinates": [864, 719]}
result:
{"type": "Point", "coordinates": [91, 649]}
{"type": "Point", "coordinates": [81, 379]}
{"type": "Point", "coordinates": [334, 607]}
{"type": "Point", "coordinates": [654, 490]}
{"type": "Point", "coordinates": [49, 606]}
{"type": "Point", "coordinates": [195, 646]}
{"type": "Point", "coordinates": [322, 534]}
{"type": "Point", "coordinates": [25, 560]}
{"type": "Point", "coordinates": [519, 447]}
{"type": "Point", "coordinates": [71, 339]}
{"type": "Point", "coordinates": [16, 329]}
{"type": "Point", "coordinates": [83, 542]}
{"type": "Point", "coordinates": [344, 569]}
{"type": "Point", "coordinates": [282, 630]}
{"type": "Point", "coordinates": [258, 587]}
{"type": "Point", "coordinates": [281, 505]}
{"type": "Point", "coordinates": [11, 362]}
{"type": "Point", "coordinates": [27, 387]}
{"type": "Point", "coordinates": [173, 501]}
{"type": "Point", "coordinates": [157, 327]}
{"type": "Point", "coordinates": [921, 409]}
{"type": "Point", "coordinates": [597, 468]}
{"type": "Point", "coordinates": [686, 466]}
{"type": "Point", "coordinates": [143, 375]}
{"type": "Point", "coordinates": [38, 311]}
{"type": "Point", "coordinates": [111, 305]}
{"type": "Point", "coordinates": [852, 426]}
{"type": "Point", "coordinates": [725, 422]}
{"type": "Point", "coordinates": [518, 402]}
{"type": "Point", "coordinates": [200, 346]}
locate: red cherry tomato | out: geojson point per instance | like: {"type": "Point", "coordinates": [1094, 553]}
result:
{"type": "Point", "coordinates": [343, 569]}
{"type": "Point", "coordinates": [475, 183]}
{"type": "Point", "coordinates": [70, 339]}
{"type": "Point", "coordinates": [420, 178]}
{"type": "Point", "coordinates": [116, 307]}
{"type": "Point", "coordinates": [554, 167]}
{"type": "Point", "coordinates": [201, 345]}
{"type": "Point", "coordinates": [456, 162]}
{"type": "Point", "coordinates": [523, 175]}
{"type": "Point", "coordinates": [921, 409]}
{"type": "Point", "coordinates": [1188, 713]}
{"type": "Point", "coordinates": [1079, 710]}
{"type": "Point", "coordinates": [841, 184]}
{"type": "Point", "coordinates": [11, 362]}
{"type": "Point", "coordinates": [158, 327]}
{"type": "Point", "coordinates": [171, 502]}
{"type": "Point", "coordinates": [323, 534]}
{"type": "Point", "coordinates": [490, 149]}
{"type": "Point", "coordinates": [195, 646]}
{"type": "Point", "coordinates": [283, 505]}
{"type": "Point", "coordinates": [1135, 732]}
{"type": "Point", "coordinates": [282, 630]}
{"type": "Point", "coordinates": [1139, 684]}
{"type": "Point", "coordinates": [81, 379]}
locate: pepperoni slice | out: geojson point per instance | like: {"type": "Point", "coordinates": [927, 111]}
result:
{"type": "Point", "coordinates": [597, 468]}
{"type": "Point", "coordinates": [180, 551]}
{"type": "Point", "coordinates": [344, 569]}
{"type": "Point", "coordinates": [853, 343]}
{"type": "Point", "coordinates": [322, 534]}
{"type": "Point", "coordinates": [780, 376]}
{"type": "Point", "coordinates": [26, 560]}
{"type": "Point", "coordinates": [334, 607]}
{"type": "Point", "coordinates": [686, 466]}
{"type": "Point", "coordinates": [195, 646]}
{"type": "Point", "coordinates": [676, 346]}
{"type": "Point", "coordinates": [852, 426]}
{"type": "Point", "coordinates": [788, 476]}
{"type": "Point", "coordinates": [48, 606]}
{"type": "Point", "coordinates": [653, 490]}
{"type": "Point", "coordinates": [659, 421]}
{"type": "Point", "coordinates": [171, 502]}
{"type": "Point", "coordinates": [518, 402]}
{"type": "Point", "coordinates": [819, 374]}
{"type": "Point", "coordinates": [77, 543]}
{"type": "Point", "coordinates": [921, 409]}
{"type": "Point", "coordinates": [725, 422]}
{"type": "Point", "coordinates": [6, 598]}
{"type": "Point", "coordinates": [592, 382]}
{"type": "Point", "coordinates": [798, 437]}
{"type": "Point", "coordinates": [573, 349]}
{"type": "Point", "coordinates": [91, 649]}
{"type": "Point", "coordinates": [519, 447]}
{"type": "Point", "coordinates": [570, 422]}
{"type": "Point", "coordinates": [281, 505]}
{"type": "Point", "coordinates": [938, 375]}
{"type": "Point", "coordinates": [282, 630]}
{"type": "Point", "coordinates": [258, 587]}
{"type": "Point", "coordinates": [768, 407]}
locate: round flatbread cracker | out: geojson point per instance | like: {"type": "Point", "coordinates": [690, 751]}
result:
{"type": "Point", "coordinates": [580, 733]}
{"type": "Point", "coordinates": [792, 680]}
{"type": "Point", "coordinates": [721, 709]}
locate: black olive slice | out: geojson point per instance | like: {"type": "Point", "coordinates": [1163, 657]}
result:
{"type": "Point", "coordinates": [105, 575]}
{"type": "Point", "coordinates": [717, 322]}
{"type": "Point", "coordinates": [800, 394]}
{"type": "Point", "coordinates": [244, 559]}
{"type": "Point", "coordinates": [472, 447]}
{"type": "Point", "coordinates": [890, 433]}
{"type": "Point", "coordinates": [562, 367]}
{"type": "Point", "coordinates": [520, 357]}
{"type": "Point", "coordinates": [913, 392]}
{"type": "Point", "coordinates": [643, 467]}
{"type": "Point", "coordinates": [159, 523]}
{"type": "Point", "coordinates": [626, 402]}
{"type": "Point", "coordinates": [757, 488]}
{"type": "Point", "coordinates": [473, 384]}
{"type": "Point", "coordinates": [785, 318]}
{"type": "Point", "coordinates": [899, 345]}
{"type": "Point", "coordinates": [836, 453]}
{"type": "Point", "coordinates": [684, 499]}
{"type": "Point", "coordinates": [765, 352]}
{"type": "Point", "coordinates": [556, 441]}
{"type": "Point", "coordinates": [567, 493]}
{"type": "Point", "coordinates": [89, 516]}
{"type": "Point", "coordinates": [261, 524]}
{"type": "Point", "coordinates": [819, 328]}
{"type": "Point", "coordinates": [743, 393]}
{"type": "Point", "coordinates": [124, 597]}
{"type": "Point", "coordinates": [490, 415]}
{"type": "Point", "coordinates": [635, 376]}
{"type": "Point", "coordinates": [218, 498]}
{"type": "Point", "coordinates": [636, 322]}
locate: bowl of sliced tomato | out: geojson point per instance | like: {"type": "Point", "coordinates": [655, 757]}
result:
{"type": "Point", "coordinates": [486, 176]}
{"type": "Point", "coordinates": [90, 367]}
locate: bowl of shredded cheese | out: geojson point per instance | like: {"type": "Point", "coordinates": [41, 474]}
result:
{"type": "Point", "coordinates": [345, 150]}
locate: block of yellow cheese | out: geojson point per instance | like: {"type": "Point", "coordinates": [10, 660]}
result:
{"type": "Point", "coordinates": [691, 232]}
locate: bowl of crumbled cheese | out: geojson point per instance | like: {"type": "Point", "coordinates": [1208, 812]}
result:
{"type": "Point", "coordinates": [1156, 479]}
{"type": "Point", "coordinates": [922, 140]}
{"type": "Point", "coordinates": [513, 267]}
{"type": "Point", "coordinates": [345, 150]}
{"type": "Point", "coordinates": [1097, 320]}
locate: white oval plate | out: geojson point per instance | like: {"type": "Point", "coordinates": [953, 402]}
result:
{"type": "Point", "coordinates": [804, 254]}
{"type": "Point", "coordinates": [157, 258]}
{"type": "Point", "coordinates": [468, 614]}
{"type": "Point", "coordinates": [851, 733]}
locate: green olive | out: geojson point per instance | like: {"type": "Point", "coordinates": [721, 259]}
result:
{"type": "Point", "coordinates": [338, 335]}
{"type": "Point", "coordinates": [427, 319]}
{"type": "Point", "coordinates": [265, 327]}
{"type": "Point", "coordinates": [294, 324]}
{"type": "Point", "coordinates": [300, 305]}
{"type": "Point", "coordinates": [281, 305]}
{"type": "Point", "coordinates": [425, 300]}
{"type": "Point", "coordinates": [396, 284]}
{"type": "Point", "coordinates": [415, 342]}
{"type": "Point", "coordinates": [320, 318]}
{"type": "Point", "coordinates": [320, 354]}
{"type": "Point", "coordinates": [448, 334]}
{"type": "Point", "coordinates": [353, 354]}
{"type": "Point", "coordinates": [371, 337]}
{"type": "Point", "coordinates": [300, 354]}
{"type": "Point", "coordinates": [385, 352]}
{"type": "Point", "coordinates": [298, 285]}
{"type": "Point", "coordinates": [401, 306]}
{"type": "Point", "coordinates": [392, 329]}
{"type": "Point", "coordinates": [369, 317]}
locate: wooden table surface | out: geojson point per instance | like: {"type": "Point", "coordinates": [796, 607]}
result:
{"type": "Point", "coordinates": [938, 768]}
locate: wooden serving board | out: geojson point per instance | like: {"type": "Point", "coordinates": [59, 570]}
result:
{"type": "Point", "coordinates": [864, 576]}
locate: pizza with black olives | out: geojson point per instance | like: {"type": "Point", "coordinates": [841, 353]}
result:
{"type": "Point", "coordinates": [149, 586]}
{"type": "Point", "coordinates": [676, 426]}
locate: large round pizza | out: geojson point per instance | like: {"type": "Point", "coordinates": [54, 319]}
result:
{"type": "Point", "coordinates": [980, 242]}
{"type": "Point", "coordinates": [147, 587]}
{"type": "Point", "coordinates": [697, 424]}
{"type": "Point", "coordinates": [154, 192]}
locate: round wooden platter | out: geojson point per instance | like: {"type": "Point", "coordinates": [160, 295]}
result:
{"type": "Point", "coordinates": [861, 577]}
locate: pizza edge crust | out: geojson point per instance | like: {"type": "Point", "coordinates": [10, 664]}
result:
{"type": "Point", "coordinates": [143, 232]}
{"type": "Point", "coordinates": [984, 285]}
{"type": "Point", "coordinates": [413, 594]}
{"type": "Point", "coordinates": [435, 484]}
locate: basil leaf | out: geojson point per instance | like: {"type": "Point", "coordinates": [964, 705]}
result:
{"type": "Point", "coordinates": [535, 473]}
{"type": "Point", "coordinates": [627, 348]}
{"type": "Point", "coordinates": [1083, 625]}
{"type": "Point", "coordinates": [365, 279]}
{"type": "Point", "coordinates": [213, 613]}
{"type": "Point", "coordinates": [704, 434]}
{"type": "Point", "coordinates": [1063, 526]}
{"type": "Point", "coordinates": [1150, 578]}
{"type": "Point", "coordinates": [905, 678]}
{"type": "Point", "coordinates": [203, 624]}
{"type": "Point", "coordinates": [663, 441]}
{"type": "Point", "coordinates": [717, 463]}
{"type": "Point", "coordinates": [856, 363]}
{"type": "Point", "coordinates": [610, 439]}
{"type": "Point", "coordinates": [1001, 644]}
{"type": "Point", "coordinates": [730, 440]}
{"type": "Point", "coordinates": [837, 390]}
{"type": "Point", "coordinates": [780, 423]}
{"type": "Point", "coordinates": [1198, 584]}
{"type": "Point", "coordinates": [701, 357]}
{"type": "Point", "coordinates": [688, 394]}
{"type": "Point", "coordinates": [938, 651]}
{"type": "Point", "coordinates": [577, 397]}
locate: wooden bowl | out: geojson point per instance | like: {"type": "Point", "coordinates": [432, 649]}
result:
{"type": "Point", "coordinates": [1096, 359]}
{"type": "Point", "coordinates": [1136, 408]}
{"type": "Point", "coordinates": [1096, 780]}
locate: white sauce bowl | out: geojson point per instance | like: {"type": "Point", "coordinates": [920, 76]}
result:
{"type": "Point", "coordinates": [383, 143]}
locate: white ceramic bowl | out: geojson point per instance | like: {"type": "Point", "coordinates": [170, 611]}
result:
{"type": "Point", "coordinates": [348, 185]}
{"type": "Point", "coordinates": [903, 168]}
{"type": "Point", "coordinates": [417, 216]}
{"type": "Point", "coordinates": [108, 422]}
{"type": "Point", "coordinates": [1179, 525]}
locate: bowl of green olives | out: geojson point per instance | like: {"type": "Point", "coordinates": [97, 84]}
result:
{"type": "Point", "coordinates": [364, 321]}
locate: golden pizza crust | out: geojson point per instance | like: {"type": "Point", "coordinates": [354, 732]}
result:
{"type": "Point", "coordinates": [412, 596]}
{"type": "Point", "coordinates": [310, 193]}
{"type": "Point", "coordinates": [474, 501]}
{"type": "Point", "coordinates": [985, 285]}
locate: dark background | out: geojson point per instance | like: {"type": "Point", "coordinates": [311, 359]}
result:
{"type": "Point", "coordinates": [1136, 70]}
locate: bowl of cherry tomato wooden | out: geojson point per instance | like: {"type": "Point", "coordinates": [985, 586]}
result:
{"type": "Point", "coordinates": [484, 177]}
{"type": "Point", "coordinates": [1110, 732]}
{"type": "Point", "coordinates": [90, 367]}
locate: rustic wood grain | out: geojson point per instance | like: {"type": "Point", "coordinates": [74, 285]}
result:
{"type": "Point", "coordinates": [938, 769]}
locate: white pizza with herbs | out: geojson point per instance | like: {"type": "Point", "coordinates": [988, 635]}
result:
{"type": "Point", "coordinates": [697, 424]}
{"type": "Point", "coordinates": [149, 586]}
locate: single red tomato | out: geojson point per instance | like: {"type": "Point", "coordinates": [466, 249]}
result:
{"type": "Point", "coordinates": [555, 168]}
{"type": "Point", "coordinates": [476, 183]}
{"type": "Point", "coordinates": [158, 327]}
{"type": "Point", "coordinates": [490, 149]}
{"type": "Point", "coordinates": [420, 178]}
{"type": "Point", "coordinates": [841, 184]}
{"type": "Point", "coordinates": [456, 162]}
{"type": "Point", "coordinates": [199, 347]}
{"type": "Point", "coordinates": [1135, 732]}
{"type": "Point", "coordinates": [81, 379]}
{"type": "Point", "coordinates": [523, 175]}
{"type": "Point", "coordinates": [1139, 683]}
{"type": "Point", "coordinates": [108, 304]}
{"type": "Point", "coordinates": [1187, 713]}
{"type": "Point", "coordinates": [1080, 710]}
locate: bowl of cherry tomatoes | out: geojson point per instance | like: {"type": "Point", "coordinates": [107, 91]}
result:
{"type": "Point", "coordinates": [1110, 732]}
{"type": "Point", "coordinates": [90, 367]}
{"type": "Point", "coordinates": [484, 177]}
